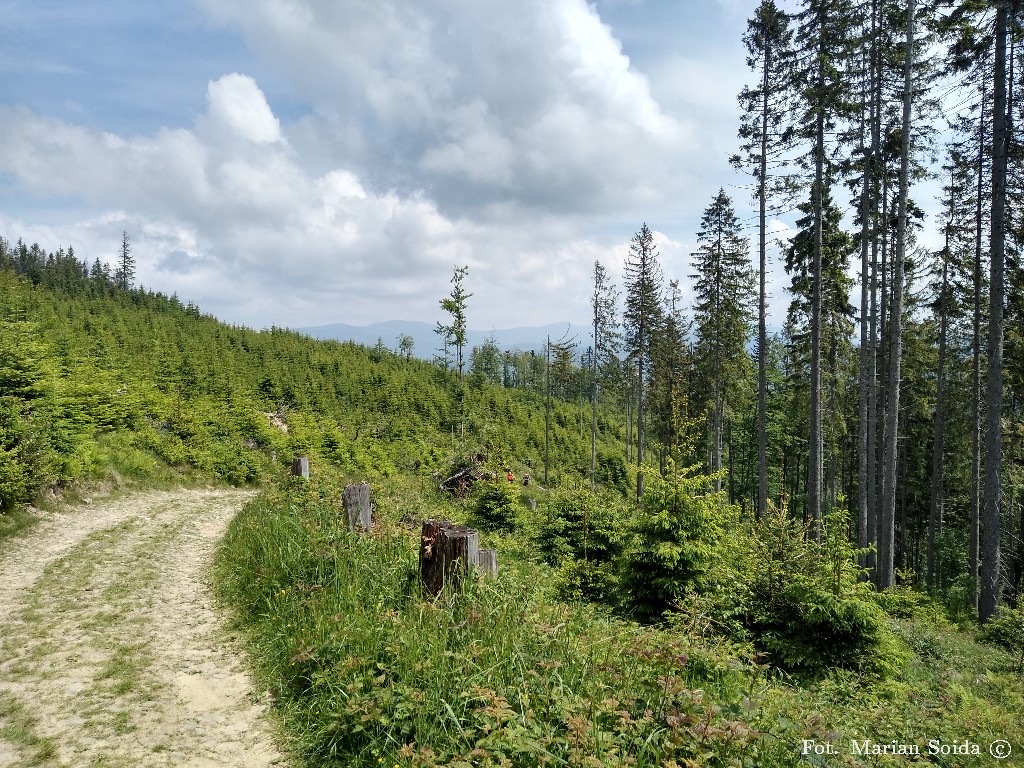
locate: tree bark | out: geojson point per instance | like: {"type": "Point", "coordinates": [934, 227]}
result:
{"type": "Point", "coordinates": [887, 529]}
{"type": "Point", "coordinates": [938, 490]}
{"type": "Point", "coordinates": [447, 554]}
{"type": "Point", "coordinates": [814, 457]}
{"type": "Point", "coordinates": [988, 601]}
{"type": "Point", "coordinates": [358, 512]}
{"type": "Point", "coordinates": [762, 332]}
{"type": "Point", "coordinates": [975, 533]}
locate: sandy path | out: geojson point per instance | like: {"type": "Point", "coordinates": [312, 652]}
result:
{"type": "Point", "coordinates": [111, 653]}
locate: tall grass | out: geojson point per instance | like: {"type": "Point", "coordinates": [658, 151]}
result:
{"type": "Point", "coordinates": [367, 669]}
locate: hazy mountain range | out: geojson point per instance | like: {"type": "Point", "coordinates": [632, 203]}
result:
{"type": "Point", "coordinates": [427, 342]}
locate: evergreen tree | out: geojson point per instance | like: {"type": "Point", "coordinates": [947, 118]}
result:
{"type": "Point", "coordinates": [835, 324]}
{"type": "Point", "coordinates": [825, 41]}
{"type": "Point", "coordinates": [454, 334]}
{"type": "Point", "coordinates": [603, 303]}
{"type": "Point", "coordinates": [124, 275]}
{"type": "Point", "coordinates": [724, 285]}
{"type": "Point", "coordinates": [641, 318]}
{"type": "Point", "coordinates": [768, 41]}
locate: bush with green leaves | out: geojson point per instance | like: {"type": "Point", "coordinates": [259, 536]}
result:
{"type": "Point", "coordinates": [496, 504]}
{"type": "Point", "coordinates": [27, 462]}
{"type": "Point", "coordinates": [808, 609]}
{"type": "Point", "coordinates": [581, 534]}
{"type": "Point", "coordinates": [1007, 631]}
{"type": "Point", "coordinates": [673, 544]}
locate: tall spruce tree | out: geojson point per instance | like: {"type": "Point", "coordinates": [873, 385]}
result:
{"type": "Point", "coordinates": [723, 315]}
{"type": "Point", "coordinates": [124, 274]}
{"type": "Point", "coordinates": [768, 41]}
{"type": "Point", "coordinates": [641, 318]}
{"type": "Point", "coordinates": [825, 43]}
{"type": "Point", "coordinates": [887, 517]}
{"type": "Point", "coordinates": [989, 598]}
{"type": "Point", "coordinates": [603, 302]}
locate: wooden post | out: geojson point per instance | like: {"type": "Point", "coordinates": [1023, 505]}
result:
{"type": "Point", "coordinates": [300, 467]}
{"type": "Point", "coordinates": [358, 511]}
{"type": "Point", "coordinates": [447, 553]}
{"type": "Point", "coordinates": [489, 562]}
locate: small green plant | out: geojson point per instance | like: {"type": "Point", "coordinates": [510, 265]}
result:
{"type": "Point", "coordinates": [496, 504]}
{"type": "Point", "coordinates": [673, 543]}
{"type": "Point", "coordinates": [1007, 631]}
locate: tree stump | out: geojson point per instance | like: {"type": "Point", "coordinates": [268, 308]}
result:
{"type": "Point", "coordinates": [358, 511]}
{"type": "Point", "coordinates": [533, 505]}
{"type": "Point", "coordinates": [300, 467]}
{"type": "Point", "coordinates": [489, 562]}
{"type": "Point", "coordinates": [447, 553]}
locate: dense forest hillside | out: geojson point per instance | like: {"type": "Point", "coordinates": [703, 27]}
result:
{"type": "Point", "coordinates": [99, 382]}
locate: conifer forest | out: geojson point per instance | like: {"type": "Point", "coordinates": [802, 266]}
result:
{"type": "Point", "coordinates": [724, 538]}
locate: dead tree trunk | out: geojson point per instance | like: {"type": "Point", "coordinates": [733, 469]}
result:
{"type": "Point", "coordinates": [300, 467]}
{"type": "Point", "coordinates": [447, 553]}
{"type": "Point", "coordinates": [358, 511]}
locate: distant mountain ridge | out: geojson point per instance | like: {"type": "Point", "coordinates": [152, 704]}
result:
{"type": "Point", "coordinates": [426, 341]}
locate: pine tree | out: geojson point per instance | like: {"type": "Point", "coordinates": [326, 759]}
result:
{"type": "Point", "coordinates": [768, 41]}
{"type": "Point", "coordinates": [825, 42]}
{"type": "Point", "coordinates": [641, 317]}
{"type": "Point", "coordinates": [724, 284]}
{"type": "Point", "coordinates": [887, 517]}
{"type": "Point", "coordinates": [988, 601]}
{"type": "Point", "coordinates": [603, 303]}
{"type": "Point", "coordinates": [124, 275]}
{"type": "Point", "coordinates": [454, 334]}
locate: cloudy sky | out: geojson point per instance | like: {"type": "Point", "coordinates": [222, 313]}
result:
{"type": "Point", "coordinates": [302, 162]}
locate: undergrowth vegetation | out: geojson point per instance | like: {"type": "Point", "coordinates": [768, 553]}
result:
{"type": "Point", "coordinates": [519, 671]}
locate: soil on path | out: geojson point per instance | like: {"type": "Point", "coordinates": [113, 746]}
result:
{"type": "Point", "coordinates": [111, 652]}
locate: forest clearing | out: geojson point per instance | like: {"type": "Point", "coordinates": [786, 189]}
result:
{"type": "Point", "coordinates": [762, 509]}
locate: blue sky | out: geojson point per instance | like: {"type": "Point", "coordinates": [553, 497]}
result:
{"type": "Point", "coordinates": [302, 162]}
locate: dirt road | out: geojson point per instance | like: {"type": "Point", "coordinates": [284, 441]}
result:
{"type": "Point", "coordinates": [111, 653]}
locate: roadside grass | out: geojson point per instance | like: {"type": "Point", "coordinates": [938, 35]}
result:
{"type": "Point", "coordinates": [366, 671]}
{"type": "Point", "coordinates": [20, 728]}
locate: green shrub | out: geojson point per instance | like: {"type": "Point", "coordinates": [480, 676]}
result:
{"type": "Point", "coordinates": [809, 609]}
{"type": "Point", "coordinates": [27, 462]}
{"type": "Point", "coordinates": [495, 507]}
{"type": "Point", "coordinates": [673, 542]}
{"type": "Point", "coordinates": [1007, 631]}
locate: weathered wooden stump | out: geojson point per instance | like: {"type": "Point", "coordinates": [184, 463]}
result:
{"type": "Point", "coordinates": [358, 511]}
{"type": "Point", "coordinates": [447, 553]}
{"type": "Point", "coordinates": [489, 562]}
{"type": "Point", "coordinates": [300, 467]}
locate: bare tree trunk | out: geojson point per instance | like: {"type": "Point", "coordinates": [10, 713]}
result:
{"type": "Point", "coordinates": [762, 333]}
{"type": "Point", "coordinates": [881, 366]}
{"type": "Point", "coordinates": [975, 534]}
{"type": "Point", "coordinates": [938, 490]}
{"type": "Point", "coordinates": [593, 409]}
{"type": "Point", "coordinates": [814, 456]}
{"type": "Point", "coordinates": [887, 528]}
{"type": "Point", "coordinates": [988, 601]}
{"type": "Point", "coordinates": [870, 478]}
{"type": "Point", "coordinates": [863, 444]}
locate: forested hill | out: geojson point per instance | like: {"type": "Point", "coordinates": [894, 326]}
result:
{"type": "Point", "coordinates": [100, 380]}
